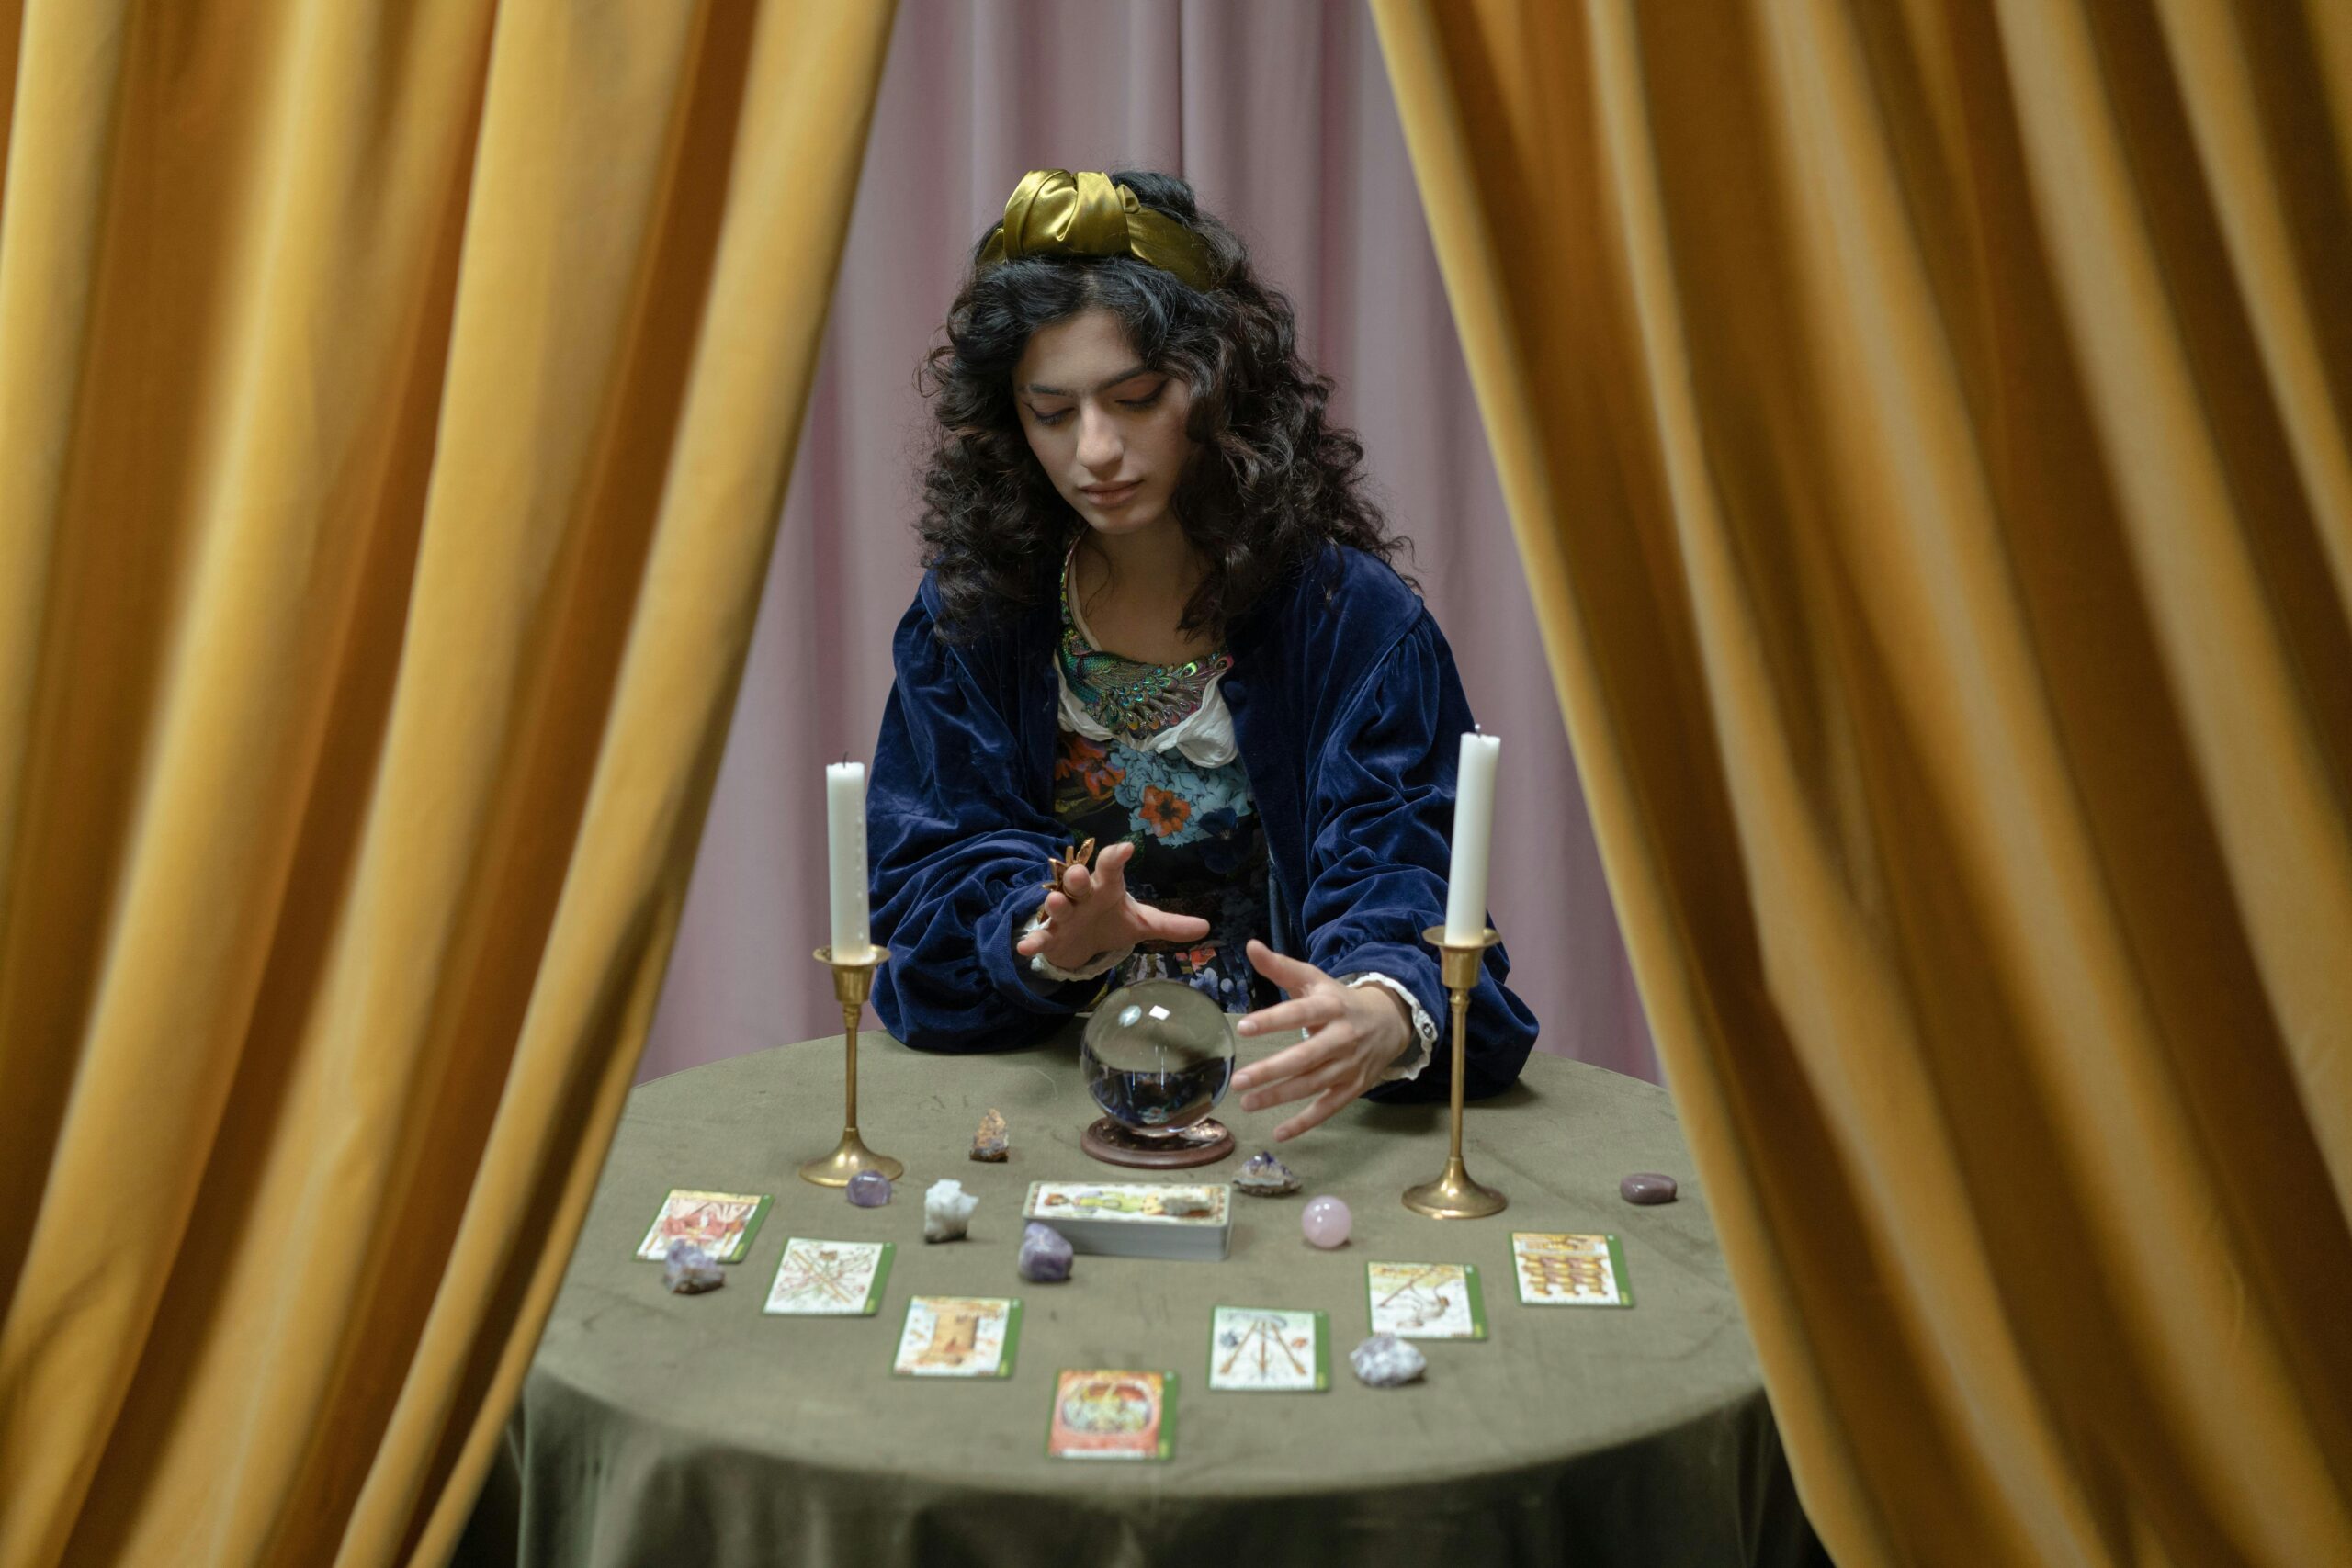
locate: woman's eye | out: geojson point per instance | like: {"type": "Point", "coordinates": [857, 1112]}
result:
{"type": "Point", "coordinates": [1060, 415]}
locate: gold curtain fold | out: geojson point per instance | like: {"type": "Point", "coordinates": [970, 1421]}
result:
{"type": "Point", "coordinates": [396, 400]}
{"type": "Point", "coordinates": [1925, 428]}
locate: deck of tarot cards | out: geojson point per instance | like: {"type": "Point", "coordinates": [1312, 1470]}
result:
{"type": "Point", "coordinates": [1136, 1218]}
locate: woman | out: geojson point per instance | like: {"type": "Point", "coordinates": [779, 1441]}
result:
{"type": "Point", "coordinates": [1158, 617]}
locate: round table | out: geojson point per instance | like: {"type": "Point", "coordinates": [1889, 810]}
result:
{"type": "Point", "coordinates": [660, 1429]}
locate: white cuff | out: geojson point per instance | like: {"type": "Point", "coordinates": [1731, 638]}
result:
{"type": "Point", "coordinates": [1100, 964]}
{"type": "Point", "coordinates": [1410, 1064]}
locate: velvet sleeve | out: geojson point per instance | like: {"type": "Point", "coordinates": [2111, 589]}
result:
{"type": "Point", "coordinates": [956, 858]}
{"type": "Point", "coordinates": [1380, 793]}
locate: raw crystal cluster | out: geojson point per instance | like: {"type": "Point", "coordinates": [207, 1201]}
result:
{"type": "Point", "coordinates": [992, 1143]}
{"type": "Point", "coordinates": [689, 1270]}
{"type": "Point", "coordinates": [1045, 1254]}
{"type": "Point", "coordinates": [947, 1210]}
{"type": "Point", "coordinates": [1386, 1362]}
{"type": "Point", "coordinates": [1647, 1187]}
{"type": "Point", "coordinates": [1264, 1175]}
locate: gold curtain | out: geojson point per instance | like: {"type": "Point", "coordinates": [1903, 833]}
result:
{"type": "Point", "coordinates": [1926, 425]}
{"type": "Point", "coordinates": [396, 400]}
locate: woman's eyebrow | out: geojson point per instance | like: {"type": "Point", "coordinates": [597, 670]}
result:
{"type": "Point", "coordinates": [1041, 389]}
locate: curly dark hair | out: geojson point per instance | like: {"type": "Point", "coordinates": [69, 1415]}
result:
{"type": "Point", "coordinates": [1271, 480]}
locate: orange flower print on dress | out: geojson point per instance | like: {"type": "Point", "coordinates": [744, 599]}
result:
{"type": "Point", "coordinates": [1162, 812]}
{"type": "Point", "coordinates": [1088, 761]}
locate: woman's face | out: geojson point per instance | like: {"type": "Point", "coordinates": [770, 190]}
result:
{"type": "Point", "coordinates": [1108, 430]}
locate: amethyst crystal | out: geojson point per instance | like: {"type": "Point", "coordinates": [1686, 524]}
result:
{"type": "Point", "coordinates": [869, 1189]}
{"type": "Point", "coordinates": [1264, 1175]}
{"type": "Point", "coordinates": [1045, 1254]}
{"type": "Point", "coordinates": [689, 1270]}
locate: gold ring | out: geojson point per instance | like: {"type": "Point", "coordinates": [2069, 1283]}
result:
{"type": "Point", "coordinates": [1060, 866]}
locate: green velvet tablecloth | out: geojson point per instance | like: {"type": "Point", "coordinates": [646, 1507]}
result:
{"type": "Point", "coordinates": [668, 1429]}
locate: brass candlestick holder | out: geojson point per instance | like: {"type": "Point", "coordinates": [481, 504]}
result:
{"type": "Point", "coordinates": [852, 983]}
{"type": "Point", "coordinates": [1454, 1196]}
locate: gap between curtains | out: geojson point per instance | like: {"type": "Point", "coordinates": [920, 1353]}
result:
{"type": "Point", "coordinates": [1925, 426]}
{"type": "Point", "coordinates": [396, 402]}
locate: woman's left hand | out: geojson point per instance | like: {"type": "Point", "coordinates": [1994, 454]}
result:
{"type": "Point", "coordinates": [1353, 1033]}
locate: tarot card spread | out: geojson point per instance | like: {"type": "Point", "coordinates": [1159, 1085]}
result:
{"type": "Point", "coordinates": [1112, 1415]}
{"type": "Point", "coordinates": [1426, 1301]}
{"type": "Point", "coordinates": [1268, 1349]}
{"type": "Point", "coordinates": [959, 1337]}
{"type": "Point", "coordinates": [1558, 1269]}
{"type": "Point", "coordinates": [722, 1223]}
{"type": "Point", "coordinates": [830, 1278]}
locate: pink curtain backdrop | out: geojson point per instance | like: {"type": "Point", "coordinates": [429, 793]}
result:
{"type": "Point", "coordinates": [1279, 115]}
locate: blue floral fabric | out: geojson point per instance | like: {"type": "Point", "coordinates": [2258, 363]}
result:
{"type": "Point", "coordinates": [1200, 850]}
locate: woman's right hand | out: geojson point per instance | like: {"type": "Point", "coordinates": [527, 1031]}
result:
{"type": "Point", "coordinates": [1103, 915]}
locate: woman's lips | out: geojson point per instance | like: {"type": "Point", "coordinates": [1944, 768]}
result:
{"type": "Point", "coordinates": [1113, 497]}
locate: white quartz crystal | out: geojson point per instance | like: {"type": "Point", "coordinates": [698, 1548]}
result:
{"type": "Point", "coordinates": [1385, 1362]}
{"type": "Point", "coordinates": [946, 1210]}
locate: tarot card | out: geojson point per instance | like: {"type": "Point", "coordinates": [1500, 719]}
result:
{"type": "Point", "coordinates": [1112, 1415]}
{"type": "Point", "coordinates": [959, 1337]}
{"type": "Point", "coordinates": [1558, 1269]}
{"type": "Point", "coordinates": [1427, 1301]}
{"type": "Point", "coordinates": [722, 1223]}
{"type": "Point", "coordinates": [830, 1278]}
{"type": "Point", "coordinates": [1269, 1349]}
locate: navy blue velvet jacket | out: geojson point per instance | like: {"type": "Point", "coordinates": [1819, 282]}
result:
{"type": "Point", "coordinates": [1347, 709]}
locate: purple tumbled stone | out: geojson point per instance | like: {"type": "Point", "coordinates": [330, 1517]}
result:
{"type": "Point", "coordinates": [1045, 1254]}
{"type": "Point", "coordinates": [1325, 1222]}
{"type": "Point", "coordinates": [869, 1189]}
{"type": "Point", "coordinates": [1647, 1187]}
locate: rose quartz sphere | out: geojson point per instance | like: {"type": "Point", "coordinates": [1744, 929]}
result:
{"type": "Point", "coordinates": [1325, 1222]}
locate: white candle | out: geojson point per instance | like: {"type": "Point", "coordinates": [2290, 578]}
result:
{"type": "Point", "coordinates": [846, 829]}
{"type": "Point", "coordinates": [1474, 831]}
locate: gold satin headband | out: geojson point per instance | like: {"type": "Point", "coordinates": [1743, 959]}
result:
{"type": "Point", "coordinates": [1055, 212]}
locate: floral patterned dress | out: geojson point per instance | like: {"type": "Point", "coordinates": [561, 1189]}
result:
{"type": "Point", "coordinates": [1199, 848]}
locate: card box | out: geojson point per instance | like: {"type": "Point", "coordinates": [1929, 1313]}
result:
{"type": "Point", "coordinates": [1136, 1218]}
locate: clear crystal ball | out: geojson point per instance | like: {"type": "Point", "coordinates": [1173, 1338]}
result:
{"type": "Point", "coordinates": [1157, 1055]}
